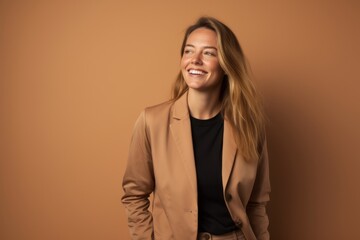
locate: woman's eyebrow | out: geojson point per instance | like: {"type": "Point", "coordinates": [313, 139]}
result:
{"type": "Point", "coordinates": [190, 45]}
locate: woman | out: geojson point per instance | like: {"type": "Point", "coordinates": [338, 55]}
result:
{"type": "Point", "coordinates": [202, 154]}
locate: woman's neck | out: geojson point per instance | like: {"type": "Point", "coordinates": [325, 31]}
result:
{"type": "Point", "coordinates": [203, 105]}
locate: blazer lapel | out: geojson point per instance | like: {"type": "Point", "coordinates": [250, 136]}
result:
{"type": "Point", "coordinates": [228, 154]}
{"type": "Point", "coordinates": [181, 133]}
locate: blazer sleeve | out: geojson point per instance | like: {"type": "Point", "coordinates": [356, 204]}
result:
{"type": "Point", "coordinates": [138, 183]}
{"type": "Point", "coordinates": [256, 208]}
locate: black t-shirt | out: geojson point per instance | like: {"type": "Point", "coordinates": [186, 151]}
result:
{"type": "Point", "coordinates": [207, 136]}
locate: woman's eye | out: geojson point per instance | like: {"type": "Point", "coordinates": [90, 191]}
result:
{"type": "Point", "coordinates": [187, 51]}
{"type": "Point", "coordinates": [210, 54]}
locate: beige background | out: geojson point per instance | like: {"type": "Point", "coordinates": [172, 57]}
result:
{"type": "Point", "coordinates": [74, 75]}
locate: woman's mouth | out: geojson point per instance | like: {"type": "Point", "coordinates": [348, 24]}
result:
{"type": "Point", "coordinates": [196, 72]}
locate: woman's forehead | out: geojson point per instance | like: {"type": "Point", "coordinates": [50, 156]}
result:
{"type": "Point", "coordinates": [202, 36]}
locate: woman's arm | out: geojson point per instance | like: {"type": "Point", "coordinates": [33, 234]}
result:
{"type": "Point", "coordinates": [138, 183]}
{"type": "Point", "coordinates": [256, 208]}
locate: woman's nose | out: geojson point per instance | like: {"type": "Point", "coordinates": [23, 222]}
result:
{"type": "Point", "coordinates": [196, 59]}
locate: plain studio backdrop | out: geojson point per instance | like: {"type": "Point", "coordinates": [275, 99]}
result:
{"type": "Point", "coordinates": [74, 75]}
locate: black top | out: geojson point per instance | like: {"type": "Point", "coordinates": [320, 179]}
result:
{"type": "Point", "coordinates": [207, 136]}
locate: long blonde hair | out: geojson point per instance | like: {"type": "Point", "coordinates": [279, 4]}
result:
{"type": "Point", "coordinates": [240, 102]}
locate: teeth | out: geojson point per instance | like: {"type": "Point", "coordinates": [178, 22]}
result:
{"type": "Point", "coordinates": [196, 72]}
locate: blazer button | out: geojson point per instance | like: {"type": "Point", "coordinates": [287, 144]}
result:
{"type": "Point", "coordinates": [238, 223]}
{"type": "Point", "coordinates": [228, 197]}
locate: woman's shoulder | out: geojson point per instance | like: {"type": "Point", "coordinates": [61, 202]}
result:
{"type": "Point", "coordinates": [160, 107]}
{"type": "Point", "coordinates": [163, 107]}
{"type": "Point", "coordinates": [158, 113]}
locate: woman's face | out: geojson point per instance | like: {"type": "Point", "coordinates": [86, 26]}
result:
{"type": "Point", "coordinates": [200, 63]}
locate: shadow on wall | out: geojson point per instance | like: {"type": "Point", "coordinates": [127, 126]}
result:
{"type": "Point", "coordinates": [296, 148]}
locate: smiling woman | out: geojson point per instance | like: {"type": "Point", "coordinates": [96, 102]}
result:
{"type": "Point", "coordinates": [200, 64]}
{"type": "Point", "coordinates": [203, 153]}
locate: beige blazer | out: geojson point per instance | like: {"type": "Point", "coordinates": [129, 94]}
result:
{"type": "Point", "coordinates": [161, 161]}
